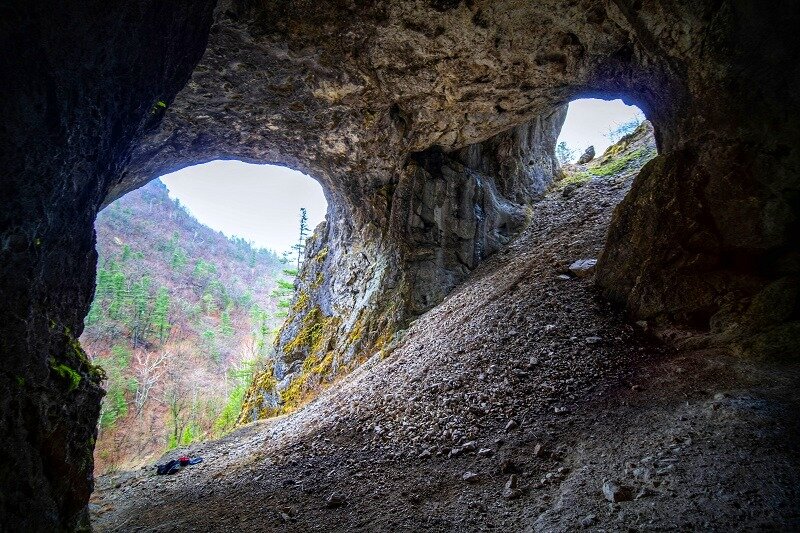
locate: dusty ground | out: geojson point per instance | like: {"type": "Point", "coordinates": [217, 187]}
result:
{"type": "Point", "coordinates": [518, 372]}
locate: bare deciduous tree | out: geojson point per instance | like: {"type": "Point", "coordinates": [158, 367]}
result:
{"type": "Point", "coordinates": [176, 397]}
{"type": "Point", "coordinates": [149, 370]}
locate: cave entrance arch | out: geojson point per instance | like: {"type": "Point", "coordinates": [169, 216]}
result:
{"type": "Point", "coordinates": [595, 123]}
{"type": "Point", "coordinates": [195, 273]}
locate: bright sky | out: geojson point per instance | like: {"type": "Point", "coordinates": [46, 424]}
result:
{"type": "Point", "coordinates": [260, 203]}
{"type": "Point", "coordinates": [588, 121]}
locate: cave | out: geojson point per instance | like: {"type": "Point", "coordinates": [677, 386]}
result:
{"type": "Point", "coordinates": [431, 126]}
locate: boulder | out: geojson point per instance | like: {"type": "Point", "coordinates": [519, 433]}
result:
{"type": "Point", "coordinates": [583, 268]}
{"type": "Point", "coordinates": [587, 156]}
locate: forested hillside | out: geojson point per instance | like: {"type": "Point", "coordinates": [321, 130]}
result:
{"type": "Point", "coordinates": [181, 317]}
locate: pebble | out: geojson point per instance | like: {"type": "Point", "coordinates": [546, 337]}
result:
{"type": "Point", "coordinates": [510, 490]}
{"type": "Point", "coordinates": [583, 267]}
{"type": "Point", "coordinates": [335, 500]}
{"type": "Point", "coordinates": [470, 477]}
{"type": "Point", "coordinates": [470, 446]}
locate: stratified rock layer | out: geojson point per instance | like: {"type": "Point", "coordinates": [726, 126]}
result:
{"type": "Point", "coordinates": [384, 102]}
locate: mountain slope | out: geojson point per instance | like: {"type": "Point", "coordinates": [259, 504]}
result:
{"type": "Point", "coordinates": [181, 315]}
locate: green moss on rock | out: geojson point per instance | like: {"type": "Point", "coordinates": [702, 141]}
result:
{"type": "Point", "coordinates": [71, 376]}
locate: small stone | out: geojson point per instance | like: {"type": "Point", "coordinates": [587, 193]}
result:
{"type": "Point", "coordinates": [424, 455]}
{"type": "Point", "coordinates": [583, 267]}
{"type": "Point", "coordinates": [563, 277]}
{"type": "Point", "coordinates": [593, 340]}
{"type": "Point", "coordinates": [512, 424]}
{"type": "Point", "coordinates": [335, 500]}
{"type": "Point", "coordinates": [570, 190]}
{"type": "Point", "coordinates": [588, 520]}
{"type": "Point", "coordinates": [614, 492]}
{"type": "Point", "coordinates": [470, 477]}
{"type": "Point", "coordinates": [470, 446]}
{"type": "Point", "coordinates": [510, 491]}
{"type": "Point", "coordinates": [636, 388]}
{"type": "Point", "coordinates": [485, 452]}
{"type": "Point", "coordinates": [538, 451]}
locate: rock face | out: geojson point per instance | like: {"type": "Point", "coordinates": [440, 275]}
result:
{"type": "Point", "coordinates": [356, 292]}
{"type": "Point", "coordinates": [84, 82]}
{"type": "Point", "coordinates": [429, 125]}
{"type": "Point", "coordinates": [586, 156]}
{"type": "Point", "coordinates": [721, 242]}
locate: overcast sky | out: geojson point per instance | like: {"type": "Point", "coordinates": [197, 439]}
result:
{"type": "Point", "coordinates": [262, 202]}
{"type": "Point", "coordinates": [258, 202]}
{"type": "Point", "coordinates": [589, 119]}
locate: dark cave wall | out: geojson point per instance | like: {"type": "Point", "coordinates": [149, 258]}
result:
{"type": "Point", "coordinates": [708, 234]}
{"type": "Point", "coordinates": [71, 109]}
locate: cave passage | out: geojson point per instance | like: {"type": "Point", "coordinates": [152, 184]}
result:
{"type": "Point", "coordinates": [195, 273]}
{"type": "Point", "coordinates": [430, 125]}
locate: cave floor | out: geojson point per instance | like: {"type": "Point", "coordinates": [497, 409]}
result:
{"type": "Point", "coordinates": [517, 372]}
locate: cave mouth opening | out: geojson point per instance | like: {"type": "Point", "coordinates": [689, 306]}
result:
{"type": "Point", "coordinates": [597, 124]}
{"type": "Point", "coordinates": [194, 275]}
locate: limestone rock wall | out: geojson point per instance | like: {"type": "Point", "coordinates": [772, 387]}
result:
{"type": "Point", "coordinates": [708, 233]}
{"type": "Point", "coordinates": [357, 290]}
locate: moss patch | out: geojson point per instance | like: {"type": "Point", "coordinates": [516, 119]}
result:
{"type": "Point", "coordinates": [321, 255]}
{"type": "Point", "coordinates": [72, 377]}
{"type": "Point", "coordinates": [301, 302]}
{"type": "Point", "coordinates": [255, 398]}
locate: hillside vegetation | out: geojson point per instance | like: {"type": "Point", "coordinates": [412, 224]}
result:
{"type": "Point", "coordinates": [182, 315]}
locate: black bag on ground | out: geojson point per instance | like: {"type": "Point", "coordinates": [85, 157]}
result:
{"type": "Point", "coordinates": [170, 467]}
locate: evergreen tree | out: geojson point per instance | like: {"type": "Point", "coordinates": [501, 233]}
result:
{"type": "Point", "coordinates": [225, 323]}
{"type": "Point", "coordinates": [160, 319]}
{"type": "Point", "coordinates": [300, 247]}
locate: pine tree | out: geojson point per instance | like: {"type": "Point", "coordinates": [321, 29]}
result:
{"type": "Point", "coordinates": [300, 247]}
{"type": "Point", "coordinates": [160, 319]}
{"type": "Point", "coordinates": [225, 323]}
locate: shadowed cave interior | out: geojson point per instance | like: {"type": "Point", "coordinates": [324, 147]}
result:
{"type": "Point", "coordinates": [432, 128]}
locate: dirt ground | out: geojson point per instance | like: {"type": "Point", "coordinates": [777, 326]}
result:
{"type": "Point", "coordinates": [510, 406]}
